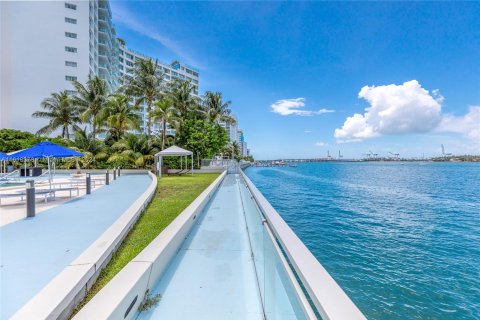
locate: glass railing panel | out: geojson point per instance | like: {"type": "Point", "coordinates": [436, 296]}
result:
{"type": "Point", "coordinates": [279, 298]}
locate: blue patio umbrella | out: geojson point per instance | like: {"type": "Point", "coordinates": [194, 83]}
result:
{"type": "Point", "coordinates": [43, 150]}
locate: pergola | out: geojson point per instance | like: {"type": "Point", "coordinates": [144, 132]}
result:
{"type": "Point", "coordinates": [173, 151]}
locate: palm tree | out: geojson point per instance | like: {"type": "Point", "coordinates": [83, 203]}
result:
{"type": "Point", "coordinates": [232, 150]}
{"type": "Point", "coordinates": [93, 150]}
{"type": "Point", "coordinates": [146, 85]}
{"type": "Point", "coordinates": [91, 99]}
{"type": "Point", "coordinates": [61, 112]}
{"type": "Point", "coordinates": [181, 95]}
{"type": "Point", "coordinates": [120, 116]}
{"type": "Point", "coordinates": [133, 150]}
{"type": "Point", "coordinates": [166, 113]}
{"type": "Point", "coordinates": [216, 109]}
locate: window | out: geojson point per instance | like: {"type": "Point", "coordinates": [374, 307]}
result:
{"type": "Point", "coordinates": [129, 56]}
{"type": "Point", "coordinates": [121, 59]}
{"type": "Point", "coordinates": [70, 20]}
{"type": "Point", "coordinates": [70, 49]}
{"type": "Point", "coordinates": [129, 63]}
{"type": "Point", "coordinates": [70, 78]}
{"type": "Point", "coordinates": [70, 63]}
{"type": "Point", "coordinates": [70, 6]}
{"type": "Point", "coordinates": [71, 35]}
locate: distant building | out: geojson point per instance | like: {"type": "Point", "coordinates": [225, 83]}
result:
{"type": "Point", "coordinates": [231, 129]}
{"type": "Point", "coordinates": [175, 70]}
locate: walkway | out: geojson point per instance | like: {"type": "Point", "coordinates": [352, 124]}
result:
{"type": "Point", "coordinates": [213, 275]}
{"type": "Point", "coordinates": [33, 251]}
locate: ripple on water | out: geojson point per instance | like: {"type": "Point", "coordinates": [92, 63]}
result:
{"type": "Point", "coordinates": [403, 241]}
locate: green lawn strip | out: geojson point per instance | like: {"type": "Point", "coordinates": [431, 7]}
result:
{"type": "Point", "coordinates": [173, 195]}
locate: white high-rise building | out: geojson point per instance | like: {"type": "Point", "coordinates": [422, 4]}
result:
{"type": "Point", "coordinates": [45, 46]}
{"type": "Point", "coordinates": [231, 129]}
{"type": "Point", "coordinates": [175, 70]}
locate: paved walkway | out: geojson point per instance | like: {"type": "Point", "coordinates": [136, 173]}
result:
{"type": "Point", "coordinates": [33, 251]}
{"type": "Point", "coordinates": [213, 275]}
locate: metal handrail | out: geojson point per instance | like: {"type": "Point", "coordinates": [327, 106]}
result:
{"type": "Point", "coordinates": [327, 296]}
{"type": "Point", "coordinates": [5, 178]}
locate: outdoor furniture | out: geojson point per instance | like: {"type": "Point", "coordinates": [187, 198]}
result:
{"type": "Point", "coordinates": [22, 194]}
{"type": "Point", "coordinates": [43, 150]}
{"type": "Point", "coordinates": [43, 192]}
{"type": "Point", "coordinates": [36, 171]}
{"type": "Point", "coordinates": [173, 151]}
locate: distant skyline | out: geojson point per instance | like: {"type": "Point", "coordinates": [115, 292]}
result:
{"type": "Point", "coordinates": [308, 77]}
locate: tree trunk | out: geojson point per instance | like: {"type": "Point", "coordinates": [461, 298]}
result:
{"type": "Point", "coordinates": [149, 118]}
{"type": "Point", "coordinates": [163, 134]}
{"type": "Point", "coordinates": [94, 131]}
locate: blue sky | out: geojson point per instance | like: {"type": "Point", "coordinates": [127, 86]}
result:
{"type": "Point", "coordinates": [298, 72]}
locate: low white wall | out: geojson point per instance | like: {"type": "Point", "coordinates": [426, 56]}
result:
{"type": "Point", "coordinates": [100, 171]}
{"type": "Point", "coordinates": [202, 170]}
{"type": "Point", "coordinates": [121, 297]}
{"type": "Point", "coordinates": [328, 297]}
{"type": "Point", "coordinates": [60, 296]}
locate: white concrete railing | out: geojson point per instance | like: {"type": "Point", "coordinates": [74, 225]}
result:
{"type": "Point", "coordinates": [61, 295]}
{"type": "Point", "coordinates": [328, 297]}
{"type": "Point", "coordinates": [121, 297]}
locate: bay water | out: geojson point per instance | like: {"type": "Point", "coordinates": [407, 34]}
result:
{"type": "Point", "coordinates": [402, 239]}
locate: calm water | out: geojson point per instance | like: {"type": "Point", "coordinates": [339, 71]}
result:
{"type": "Point", "coordinates": [402, 240]}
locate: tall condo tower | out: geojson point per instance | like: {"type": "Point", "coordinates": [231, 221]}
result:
{"type": "Point", "coordinates": [47, 44]}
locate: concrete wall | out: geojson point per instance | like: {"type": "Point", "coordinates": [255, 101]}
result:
{"type": "Point", "coordinates": [121, 297]}
{"type": "Point", "coordinates": [58, 299]}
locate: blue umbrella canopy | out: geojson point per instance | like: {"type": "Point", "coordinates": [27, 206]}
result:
{"type": "Point", "coordinates": [45, 149]}
{"type": "Point", "coordinates": [4, 156]}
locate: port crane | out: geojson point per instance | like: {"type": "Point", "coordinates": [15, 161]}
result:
{"type": "Point", "coordinates": [374, 155]}
{"type": "Point", "coordinates": [443, 152]}
{"type": "Point", "coordinates": [339, 155]}
{"type": "Point", "coordinates": [395, 155]}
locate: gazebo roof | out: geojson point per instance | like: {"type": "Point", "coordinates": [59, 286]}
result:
{"type": "Point", "coordinates": [174, 151]}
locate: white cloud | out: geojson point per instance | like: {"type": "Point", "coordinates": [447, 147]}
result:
{"type": "Point", "coordinates": [308, 131]}
{"type": "Point", "coordinates": [126, 18]}
{"type": "Point", "coordinates": [469, 124]}
{"type": "Point", "coordinates": [393, 109]}
{"type": "Point", "coordinates": [321, 144]}
{"type": "Point", "coordinates": [287, 107]}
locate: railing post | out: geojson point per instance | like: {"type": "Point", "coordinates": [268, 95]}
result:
{"type": "Point", "coordinates": [89, 183]}
{"type": "Point", "coordinates": [118, 171]}
{"type": "Point", "coordinates": [114, 174]}
{"type": "Point", "coordinates": [30, 194]}
{"type": "Point", "coordinates": [107, 178]}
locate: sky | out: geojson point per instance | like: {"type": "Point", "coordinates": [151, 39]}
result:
{"type": "Point", "coordinates": [307, 78]}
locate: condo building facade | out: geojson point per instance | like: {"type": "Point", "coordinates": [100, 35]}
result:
{"type": "Point", "coordinates": [45, 45]}
{"type": "Point", "coordinates": [169, 72]}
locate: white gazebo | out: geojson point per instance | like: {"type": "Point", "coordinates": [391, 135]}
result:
{"type": "Point", "coordinates": [173, 151]}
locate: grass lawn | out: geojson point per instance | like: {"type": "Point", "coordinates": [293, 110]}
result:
{"type": "Point", "coordinates": [173, 195]}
